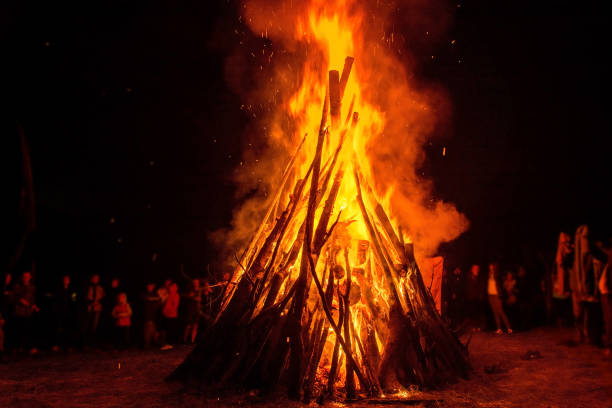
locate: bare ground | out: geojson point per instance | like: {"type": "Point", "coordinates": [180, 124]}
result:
{"type": "Point", "coordinates": [563, 375]}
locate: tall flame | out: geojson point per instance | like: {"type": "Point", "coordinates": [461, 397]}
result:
{"type": "Point", "coordinates": [397, 114]}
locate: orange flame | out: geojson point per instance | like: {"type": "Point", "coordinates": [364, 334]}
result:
{"type": "Point", "coordinates": [397, 115]}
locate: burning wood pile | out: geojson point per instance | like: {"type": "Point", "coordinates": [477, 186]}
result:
{"type": "Point", "coordinates": [327, 298]}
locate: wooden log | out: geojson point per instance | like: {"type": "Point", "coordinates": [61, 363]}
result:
{"type": "Point", "coordinates": [335, 99]}
{"type": "Point", "coordinates": [346, 72]}
{"type": "Point", "coordinates": [388, 229]}
{"type": "Point", "coordinates": [273, 288]}
{"type": "Point", "coordinates": [331, 381]}
{"type": "Point", "coordinates": [350, 380]}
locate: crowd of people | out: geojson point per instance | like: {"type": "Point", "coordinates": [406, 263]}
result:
{"type": "Point", "coordinates": [574, 290]}
{"type": "Point", "coordinates": [99, 316]}
{"type": "Point", "coordinates": [508, 300]}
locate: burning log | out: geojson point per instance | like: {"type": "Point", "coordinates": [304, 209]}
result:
{"type": "Point", "coordinates": [331, 382]}
{"type": "Point", "coordinates": [350, 380]}
{"type": "Point", "coordinates": [346, 72]}
{"type": "Point", "coordinates": [335, 101]}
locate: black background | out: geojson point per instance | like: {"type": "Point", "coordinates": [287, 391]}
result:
{"type": "Point", "coordinates": [128, 117]}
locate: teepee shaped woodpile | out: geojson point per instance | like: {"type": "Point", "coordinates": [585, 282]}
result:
{"type": "Point", "coordinates": [317, 310]}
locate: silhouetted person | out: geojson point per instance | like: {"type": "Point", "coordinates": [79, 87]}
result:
{"type": "Point", "coordinates": [583, 282]}
{"type": "Point", "coordinates": [6, 307]}
{"type": "Point", "coordinates": [151, 306]}
{"type": "Point", "coordinates": [605, 294]}
{"type": "Point", "coordinates": [66, 315]}
{"type": "Point", "coordinates": [169, 325]}
{"type": "Point", "coordinates": [2, 321]}
{"type": "Point", "coordinates": [24, 295]}
{"type": "Point", "coordinates": [561, 295]}
{"type": "Point", "coordinates": [475, 297]}
{"type": "Point", "coordinates": [122, 313]}
{"type": "Point", "coordinates": [494, 291]}
{"type": "Point", "coordinates": [192, 312]}
{"type": "Point", "coordinates": [526, 295]}
{"type": "Point", "coordinates": [455, 296]}
{"type": "Point", "coordinates": [95, 295]}
{"type": "Point", "coordinates": [107, 322]}
{"type": "Point", "coordinates": [510, 298]}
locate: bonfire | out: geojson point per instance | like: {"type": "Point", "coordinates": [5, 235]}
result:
{"type": "Point", "coordinates": [327, 298]}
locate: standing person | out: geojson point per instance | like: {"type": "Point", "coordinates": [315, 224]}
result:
{"type": "Point", "coordinates": [6, 297]}
{"type": "Point", "coordinates": [494, 292]}
{"type": "Point", "coordinates": [95, 294]}
{"type": "Point", "coordinates": [605, 294]}
{"type": "Point", "coordinates": [107, 323]}
{"type": "Point", "coordinates": [112, 293]}
{"type": "Point", "coordinates": [455, 297]}
{"type": "Point", "coordinates": [169, 325]}
{"type": "Point", "coordinates": [583, 284]}
{"type": "Point", "coordinates": [6, 302]}
{"type": "Point", "coordinates": [511, 292]}
{"type": "Point", "coordinates": [526, 291]}
{"type": "Point", "coordinates": [66, 315]}
{"type": "Point", "coordinates": [561, 296]}
{"type": "Point", "coordinates": [475, 296]}
{"type": "Point", "coordinates": [152, 304]}
{"type": "Point", "coordinates": [2, 321]}
{"type": "Point", "coordinates": [122, 313]}
{"type": "Point", "coordinates": [163, 290]}
{"type": "Point", "coordinates": [192, 312]}
{"type": "Point", "coordinates": [24, 296]}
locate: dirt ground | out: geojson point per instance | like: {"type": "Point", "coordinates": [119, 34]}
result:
{"type": "Point", "coordinates": [558, 374]}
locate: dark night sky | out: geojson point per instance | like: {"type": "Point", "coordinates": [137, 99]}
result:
{"type": "Point", "coordinates": [122, 103]}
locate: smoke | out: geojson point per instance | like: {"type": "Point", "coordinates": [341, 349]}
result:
{"type": "Point", "coordinates": [270, 67]}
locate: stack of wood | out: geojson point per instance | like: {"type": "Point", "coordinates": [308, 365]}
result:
{"type": "Point", "coordinates": [297, 313]}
